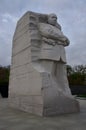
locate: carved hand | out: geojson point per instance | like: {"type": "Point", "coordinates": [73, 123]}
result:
{"type": "Point", "coordinates": [49, 41]}
{"type": "Point", "coordinates": [65, 41]}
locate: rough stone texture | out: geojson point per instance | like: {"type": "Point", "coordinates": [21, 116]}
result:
{"type": "Point", "coordinates": [38, 82]}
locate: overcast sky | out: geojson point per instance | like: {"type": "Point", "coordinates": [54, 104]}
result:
{"type": "Point", "coordinates": [71, 16]}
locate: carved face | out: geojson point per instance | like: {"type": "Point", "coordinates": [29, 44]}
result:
{"type": "Point", "coordinates": [52, 19]}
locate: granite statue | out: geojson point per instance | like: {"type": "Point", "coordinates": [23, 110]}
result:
{"type": "Point", "coordinates": [38, 80]}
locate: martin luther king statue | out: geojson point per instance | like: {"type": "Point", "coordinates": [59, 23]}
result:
{"type": "Point", "coordinates": [38, 79]}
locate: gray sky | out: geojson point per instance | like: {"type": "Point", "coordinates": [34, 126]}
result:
{"type": "Point", "coordinates": [71, 16]}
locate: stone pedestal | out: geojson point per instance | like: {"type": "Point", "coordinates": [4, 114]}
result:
{"type": "Point", "coordinates": [33, 86]}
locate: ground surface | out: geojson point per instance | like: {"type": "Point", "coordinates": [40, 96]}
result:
{"type": "Point", "coordinates": [12, 119]}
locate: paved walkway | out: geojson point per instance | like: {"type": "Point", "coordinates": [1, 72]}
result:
{"type": "Point", "coordinates": [12, 119]}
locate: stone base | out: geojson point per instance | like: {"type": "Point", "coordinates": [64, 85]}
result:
{"type": "Point", "coordinates": [30, 104]}
{"type": "Point", "coordinates": [62, 105]}
{"type": "Point", "coordinates": [34, 105]}
{"type": "Point", "coordinates": [44, 96]}
{"type": "Point", "coordinates": [52, 99]}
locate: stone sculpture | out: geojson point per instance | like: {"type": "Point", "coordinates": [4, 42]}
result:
{"type": "Point", "coordinates": [38, 80]}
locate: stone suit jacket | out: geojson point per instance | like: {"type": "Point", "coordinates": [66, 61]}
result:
{"type": "Point", "coordinates": [51, 52]}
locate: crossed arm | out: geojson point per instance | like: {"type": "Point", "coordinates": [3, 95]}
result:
{"type": "Point", "coordinates": [65, 42]}
{"type": "Point", "coordinates": [52, 35]}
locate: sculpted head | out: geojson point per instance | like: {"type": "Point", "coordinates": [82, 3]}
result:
{"type": "Point", "coordinates": [52, 19]}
